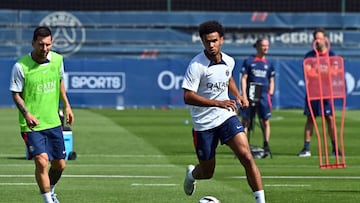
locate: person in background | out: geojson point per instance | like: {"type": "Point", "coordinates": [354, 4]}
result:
{"type": "Point", "coordinates": [37, 85]}
{"type": "Point", "coordinates": [207, 83]}
{"type": "Point", "coordinates": [257, 84]}
{"type": "Point", "coordinates": [320, 37]}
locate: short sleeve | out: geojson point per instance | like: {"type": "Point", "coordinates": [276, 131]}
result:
{"type": "Point", "coordinates": [192, 78]}
{"type": "Point", "coordinates": [17, 78]}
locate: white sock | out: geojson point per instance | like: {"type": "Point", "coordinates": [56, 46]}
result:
{"type": "Point", "coordinates": [259, 196]}
{"type": "Point", "coordinates": [47, 197]}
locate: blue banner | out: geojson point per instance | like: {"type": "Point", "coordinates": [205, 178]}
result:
{"type": "Point", "coordinates": [122, 83]}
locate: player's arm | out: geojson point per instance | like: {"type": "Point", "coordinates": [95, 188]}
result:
{"type": "Point", "coordinates": [31, 120]}
{"type": "Point", "coordinates": [242, 100]}
{"type": "Point", "coordinates": [67, 107]}
{"type": "Point", "coordinates": [244, 85]}
{"type": "Point", "coordinates": [271, 86]}
{"type": "Point", "coordinates": [191, 98]}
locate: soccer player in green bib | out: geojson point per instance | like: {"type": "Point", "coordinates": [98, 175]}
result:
{"type": "Point", "coordinates": [37, 85]}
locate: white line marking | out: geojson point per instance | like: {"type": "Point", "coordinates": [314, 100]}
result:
{"type": "Point", "coordinates": [115, 176]}
{"type": "Point", "coordinates": [154, 184]}
{"type": "Point", "coordinates": [16, 176]}
{"type": "Point", "coordinates": [126, 165]}
{"type": "Point", "coordinates": [91, 176]}
{"type": "Point", "coordinates": [277, 118]}
{"type": "Point", "coordinates": [100, 165]}
{"type": "Point", "coordinates": [16, 184]}
{"type": "Point", "coordinates": [125, 155]}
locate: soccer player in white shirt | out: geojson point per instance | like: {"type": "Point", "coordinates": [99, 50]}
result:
{"type": "Point", "coordinates": [207, 83]}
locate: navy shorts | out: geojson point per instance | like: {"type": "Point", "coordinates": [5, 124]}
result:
{"type": "Point", "coordinates": [50, 141]}
{"type": "Point", "coordinates": [316, 107]}
{"type": "Point", "coordinates": [206, 142]}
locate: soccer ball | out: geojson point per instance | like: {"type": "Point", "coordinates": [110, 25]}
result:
{"type": "Point", "coordinates": [209, 199]}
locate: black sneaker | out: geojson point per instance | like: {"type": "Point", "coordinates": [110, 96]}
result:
{"type": "Point", "coordinates": [267, 153]}
{"type": "Point", "coordinates": [304, 153]}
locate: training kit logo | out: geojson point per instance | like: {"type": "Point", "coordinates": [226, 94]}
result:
{"type": "Point", "coordinates": [68, 32]}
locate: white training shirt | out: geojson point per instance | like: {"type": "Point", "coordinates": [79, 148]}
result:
{"type": "Point", "coordinates": [17, 75]}
{"type": "Point", "coordinates": [210, 81]}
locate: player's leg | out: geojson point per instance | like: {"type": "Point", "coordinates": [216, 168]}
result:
{"type": "Point", "coordinates": [204, 170]}
{"type": "Point", "coordinates": [42, 176]}
{"type": "Point", "coordinates": [264, 113]}
{"type": "Point", "coordinates": [330, 124]}
{"type": "Point", "coordinates": [308, 128]}
{"type": "Point", "coordinates": [36, 145]}
{"type": "Point", "coordinates": [240, 147]}
{"type": "Point", "coordinates": [55, 172]}
{"type": "Point", "coordinates": [266, 137]}
{"type": "Point", "coordinates": [205, 143]}
{"type": "Point", "coordinates": [242, 151]}
{"type": "Point", "coordinates": [57, 155]}
{"type": "Point", "coordinates": [233, 135]}
{"type": "Point", "coordinates": [266, 130]}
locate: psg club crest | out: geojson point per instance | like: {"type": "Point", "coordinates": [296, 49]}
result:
{"type": "Point", "coordinates": [67, 30]}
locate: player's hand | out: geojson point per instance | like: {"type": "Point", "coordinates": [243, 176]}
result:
{"type": "Point", "coordinates": [31, 121]}
{"type": "Point", "coordinates": [243, 101]}
{"type": "Point", "coordinates": [69, 116]}
{"type": "Point", "coordinates": [229, 105]}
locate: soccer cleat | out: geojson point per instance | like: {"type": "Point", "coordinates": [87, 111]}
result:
{"type": "Point", "coordinates": [304, 153]}
{"type": "Point", "coordinates": [53, 197]}
{"type": "Point", "coordinates": [189, 184]}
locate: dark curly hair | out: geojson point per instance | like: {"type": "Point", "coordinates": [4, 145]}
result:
{"type": "Point", "coordinates": [210, 27]}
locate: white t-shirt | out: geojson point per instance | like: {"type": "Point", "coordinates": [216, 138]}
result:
{"type": "Point", "coordinates": [210, 81]}
{"type": "Point", "coordinates": [17, 75]}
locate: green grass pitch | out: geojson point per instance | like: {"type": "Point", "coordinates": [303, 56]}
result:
{"type": "Point", "coordinates": [140, 155]}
